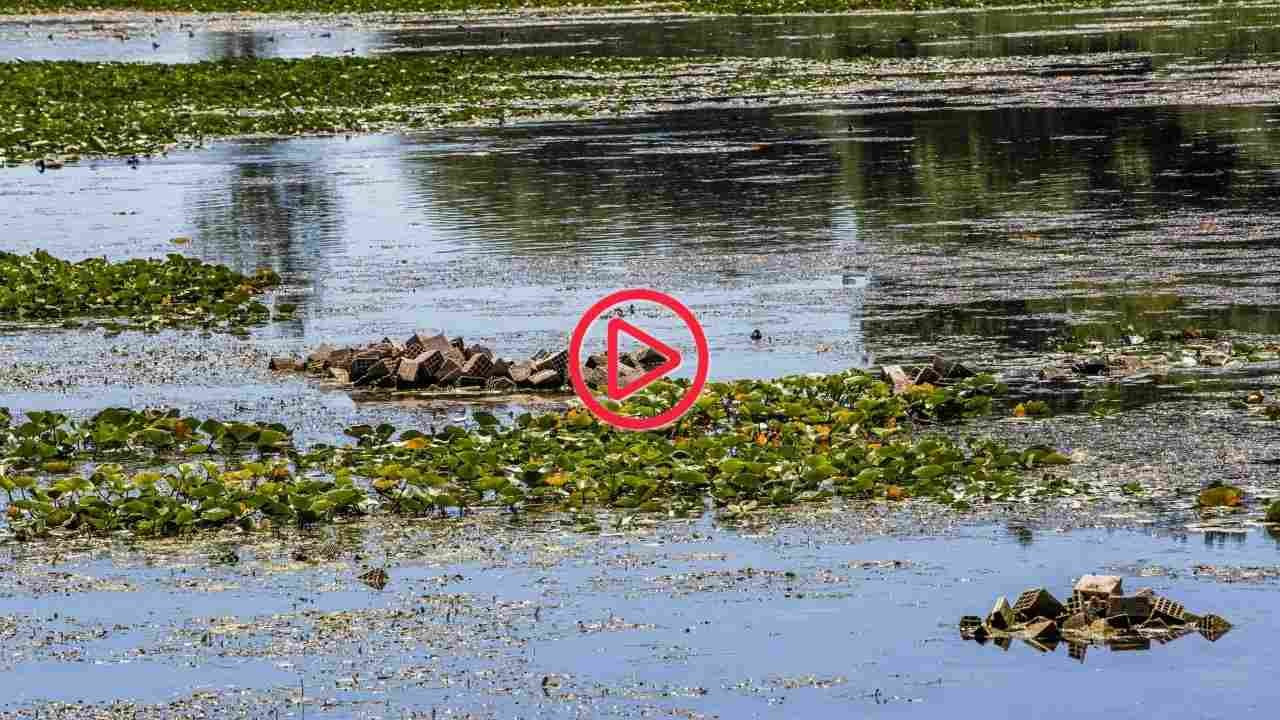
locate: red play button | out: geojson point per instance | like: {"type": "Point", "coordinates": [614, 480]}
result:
{"type": "Point", "coordinates": [614, 389]}
{"type": "Point", "coordinates": [671, 360]}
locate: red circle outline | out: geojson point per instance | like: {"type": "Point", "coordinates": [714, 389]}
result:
{"type": "Point", "coordinates": [623, 421]}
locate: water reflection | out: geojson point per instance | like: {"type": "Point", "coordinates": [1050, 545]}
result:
{"type": "Point", "coordinates": [271, 210]}
{"type": "Point", "coordinates": [1217, 33]}
{"type": "Point", "coordinates": [891, 225]}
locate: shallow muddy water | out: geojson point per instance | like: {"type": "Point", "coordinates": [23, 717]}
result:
{"type": "Point", "coordinates": [1068, 175]}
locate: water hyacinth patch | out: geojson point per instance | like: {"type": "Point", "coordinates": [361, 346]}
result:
{"type": "Point", "coordinates": [746, 445]}
{"type": "Point", "coordinates": [174, 292]}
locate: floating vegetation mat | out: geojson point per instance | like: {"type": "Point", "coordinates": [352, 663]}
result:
{"type": "Point", "coordinates": [737, 7]}
{"type": "Point", "coordinates": [1098, 613]}
{"type": "Point", "coordinates": [745, 445]}
{"type": "Point", "coordinates": [146, 294]}
{"type": "Point", "coordinates": [53, 112]}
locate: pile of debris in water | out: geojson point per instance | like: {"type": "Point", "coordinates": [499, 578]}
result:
{"type": "Point", "coordinates": [939, 371]}
{"type": "Point", "coordinates": [1098, 613]}
{"type": "Point", "coordinates": [1157, 356]}
{"type": "Point", "coordinates": [426, 361]}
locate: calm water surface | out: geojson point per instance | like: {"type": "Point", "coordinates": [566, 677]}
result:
{"type": "Point", "coordinates": [1086, 173]}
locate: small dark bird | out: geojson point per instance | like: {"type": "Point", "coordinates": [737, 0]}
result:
{"type": "Point", "coordinates": [756, 335]}
{"type": "Point", "coordinates": [155, 45]}
{"type": "Point", "coordinates": [133, 162]}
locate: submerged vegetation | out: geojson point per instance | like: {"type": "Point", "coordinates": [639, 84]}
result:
{"type": "Point", "coordinates": [744, 445]}
{"type": "Point", "coordinates": [174, 292]}
{"type": "Point", "coordinates": [740, 7]}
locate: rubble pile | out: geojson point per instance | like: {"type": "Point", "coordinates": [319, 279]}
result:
{"type": "Point", "coordinates": [435, 361]}
{"type": "Point", "coordinates": [1098, 613]}
{"type": "Point", "coordinates": [939, 371]}
{"type": "Point", "coordinates": [1149, 356]}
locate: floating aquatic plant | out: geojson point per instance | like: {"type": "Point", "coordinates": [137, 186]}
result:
{"type": "Point", "coordinates": [745, 445]}
{"type": "Point", "coordinates": [737, 7]}
{"type": "Point", "coordinates": [173, 292]}
{"type": "Point", "coordinates": [51, 443]}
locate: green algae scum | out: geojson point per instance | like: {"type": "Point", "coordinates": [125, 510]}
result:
{"type": "Point", "coordinates": [295, 341]}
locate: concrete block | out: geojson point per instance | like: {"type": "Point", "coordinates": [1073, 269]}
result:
{"type": "Point", "coordinates": [501, 384]}
{"type": "Point", "coordinates": [1077, 650]}
{"type": "Point", "coordinates": [1037, 602]}
{"type": "Point", "coordinates": [501, 369]}
{"type": "Point", "coordinates": [479, 366]}
{"type": "Point", "coordinates": [1129, 642]}
{"type": "Point", "coordinates": [1001, 616]}
{"type": "Point", "coordinates": [341, 358]}
{"type": "Point", "coordinates": [1171, 612]}
{"type": "Point", "coordinates": [557, 361]}
{"type": "Point", "coordinates": [1213, 627]}
{"type": "Point", "coordinates": [1137, 608]}
{"type": "Point", "coordinates": [1042, 629]}
{"type": "Point", "coordinates": [545, 379]}
{"type": "Point", "coordinates": [375, 372]}
{"type": "Point", "coordinates": [321, 354]}
{"type": "Point", "coordinates": [521, 371]}
{"type": "Point", "coordinates": [362, 363]}
{"type": "Point", "coordinates": [447, 372]}
{"type": "Point", "coordinates": [1076, 621]}
{"type": "Point", "coordinates": [646, 357]}
{"type": "Point", "coordinates": [896, 375]}
{"type": "Point", "coordinates": [285, 364]}
{"type": "Point", "coordinates": [426, 342]}
{"type": "Point", "coordinates": [1098, 586]}
{"type": "Point", "coordinates": [595, 377]}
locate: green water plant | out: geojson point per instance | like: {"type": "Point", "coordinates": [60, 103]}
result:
{"type": "Point", "coordinates": [52, 443]}
{"type": "Point", "coordinates": [737, 7]}
{"type": "Point", "coordinates": [190, 497]}
{"type": "Point", "coordinates": [176, 291]}
{"type": "Point", "coordinates": [745, 445]}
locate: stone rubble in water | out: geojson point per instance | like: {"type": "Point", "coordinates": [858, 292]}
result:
{"type": "Point", "coordinates": [1097, 613]}
{"type": "Point", "coordinates": [939, 371]}
{"type": "Point", "coordinates": [1139, 356]}
{"type": "Point", "coordinates": [436, 361]}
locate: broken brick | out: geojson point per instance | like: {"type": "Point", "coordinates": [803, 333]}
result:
{"type": "Point", "coordinates": [1037, 602]}
{"type": "Point", "coordinates": [479, 366]}
{"type": "Point", "coordinates": [545, 379]}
